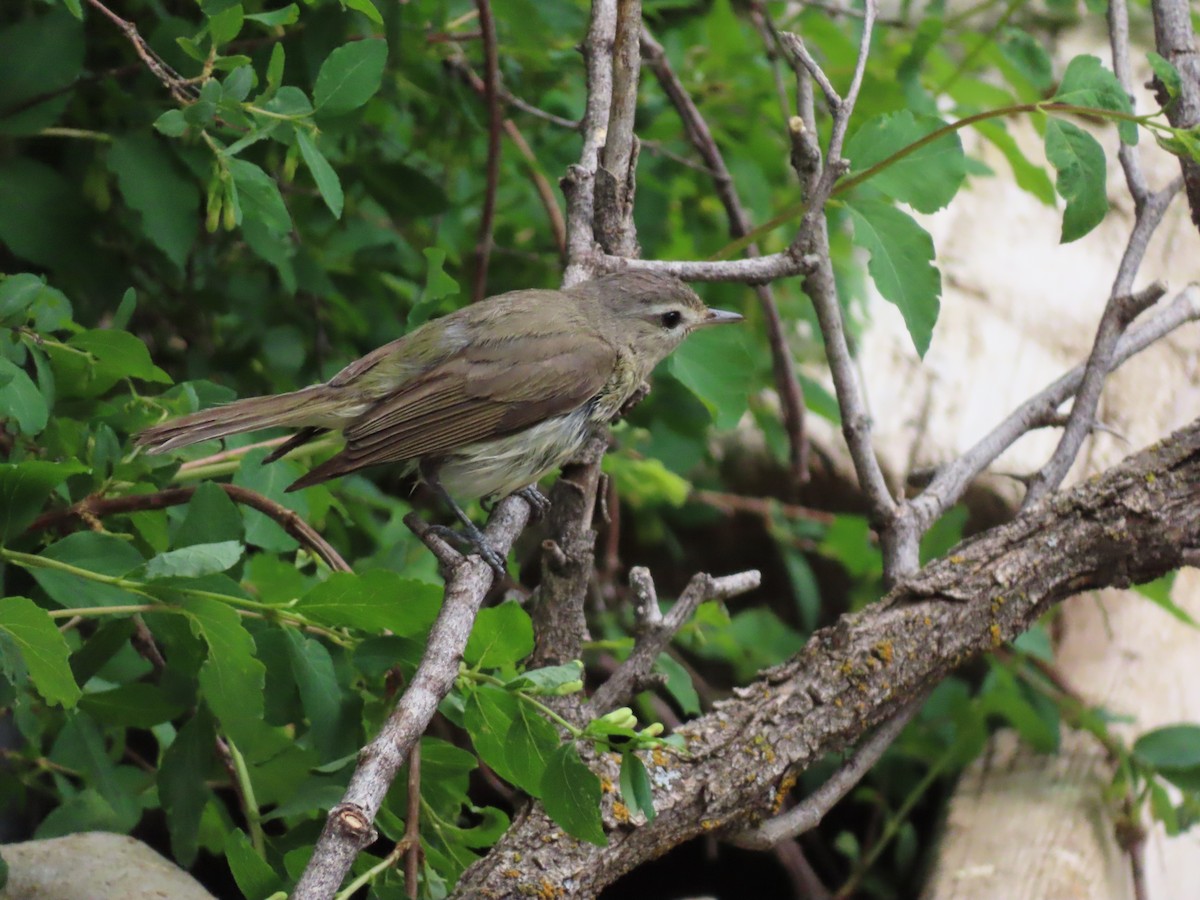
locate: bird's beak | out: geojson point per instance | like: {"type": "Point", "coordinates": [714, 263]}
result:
{"type": "Point", "coordinates": [720, 317]}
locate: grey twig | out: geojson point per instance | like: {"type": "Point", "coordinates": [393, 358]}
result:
{"type": "Point", "coordinates": [808, 814]}
{"type": "Point", "coordinates": [746, 271]}
{"type": "Point", "coordinates": [798, 50]}
{"type": "Point", "coordinates": [1120, 311]}
{"type": "Point", "coordinates": [579, 184]}
{"type": "Point", "coordinates": [349, 827]}
{"type": "Point", "coordinates": [791, 395]}
{"type": "Point", "coordinates": [615, 179]}
{"type": "Point", "coordinates": [1176, 42]}
{"type": "Point", "coordinates": [1118, 37]}
{"type": "Point", "coordinates": [949, 484]}
{"type": "Point", "coordinates": [655, 630]}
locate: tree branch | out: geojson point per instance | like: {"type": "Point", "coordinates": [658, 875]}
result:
{"type": "Point", "coordinates": [1176, 42]}
{"type": "Point", "coordinates": [1120, 311]}
{"type": "Point", "coordinates": [349, 827]}
{"type": "Point", "coordinates": [952, 481]}
{"type": "Point", "coordinates": [656, 630]}
{"type": "Point", "coordinates": [1130, 525]}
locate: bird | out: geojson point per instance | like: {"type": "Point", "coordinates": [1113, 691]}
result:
{"type": "Point", "coordinates": [482, 402]}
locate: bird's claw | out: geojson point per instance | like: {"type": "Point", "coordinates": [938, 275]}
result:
{"type": "Point", "coordinates": [539, 503]}
{"type": "Point", "coordinates": [473, 541]}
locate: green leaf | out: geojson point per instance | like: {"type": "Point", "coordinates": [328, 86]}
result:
{"type": "Point", "coordinates": [901, 264]}
{"type": "Point", "coordinates": [270, 481]}
{"type": "Point", "coordinates": [322, 173]}
{"type": "Point", "coordinates": [571, 796]}
{"type": "Point", "coordinates": [503, 635]}
{"type": "Point", "coordinates": [231, 678]}
{"type": "Point", "coordinates": [375, 601]}
{"type": "Point", "coordinates": [152, 184]}
{"type": "Point", "coordinates": [211, 517]}
{"type": "Point", "coordinates": [723, 388]}
{"type": "Point", "coordinates": [195, 561]}
{"type": "Point", "coordinates": [438, 287]}
{"type": "Point", "coordinates": [224, 26]}
{"type": "Point", "coordinates": [1026, 53]}
{"type": "Point", "coordinates": [104, 554]}
{"type": "Point", "coordinates": [136, 705]}
{"type": "Point", "coordinates": [41, 216]}
{"type": "Point", "coordinates": [927, 178]}
{"type": "Point", "coordinates": [1082, 169]}
{"type": "Point", "coordinates": [488, 715]}
{"type": "Point", "coordinates": [1028, 176]}
{"type": "Point", "coordinates": [33, 85]}
{"type": "Point", "coordinates": [1158, 592]}
{"type": "Point", "coordinates": [108, 357]}
{"type": "Point", "coordinates": [255, 878]}
{"type": "Point", "coordinates": [182, 790]}
{"type": "Point", "coordinates": [42, 647]}
{"type": "Point", "coordinates": [1170, 747]}
{"type": "Point", "coordinates": [679, 684]}
{"type": "Point", "coordinates": [1087, 83]}
{"type": "Point", "coordinates": [1166, 73]}
{"type": "Point", "coordinates": [312, 667]}
{"type": "Point", "coordinates": [258, 197]}
{"type": "Point", "coordinates": [24, 296]}
{"type": "Point", "coordinates": [288, 15]}
{"type": "Point", "coordinates": [549, 679]}
{"type": "Point", "coordinates": [635, 786]}
{"type": "Point", "coordinates": [350, 76]}
{"type": "Point", "coordinates": [20, 399]}
{"type": "Point", "coordinates": [366, 7]}
{"type": "Point", "coordinates": [528, 746]}
{"type": "Point", "coordinates": [644, 483]}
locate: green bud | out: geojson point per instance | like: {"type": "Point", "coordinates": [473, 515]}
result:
{"type": "Point", "coordinates": [570, 687]}
{"type": "Point", "coordinates": [652, 730]}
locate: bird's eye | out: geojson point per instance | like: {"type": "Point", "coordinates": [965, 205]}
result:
{"type": "Point", "coordinates": [672, 318]}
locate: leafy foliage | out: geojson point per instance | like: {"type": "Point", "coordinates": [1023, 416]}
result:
{"type": "Point", "coordinates": [289, 188]}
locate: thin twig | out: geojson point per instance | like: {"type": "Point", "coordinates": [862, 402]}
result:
{"type": "Point", "coordinates": [289, 520]}
{"type": "Point", "coordinates": [579, 184]}
{"type": "Point", "coordinates": [745, 271]}
{"type": "Point", "coordinates": [1120, 311]}
{"type": "Point", "coordinates": [952, 481]}
{"type": "Point", "coordinates": [791, 395]}
{"type": "Point", "coordinates": [412, 827]}
{"type": "Point", "coordinates": [487, 216]}
{"type": "Point", "coordinates": [656, 629]}
{"type": "Point", "coordinates": [808, 814]}
{"type": "Point", "coordinates": [178, 86]}
{"type": "Point", "coordinates": [349, 827]}
{"type": "Point", "coordinates": [1118, 38]}
{"type": "Point", "coordinates": [616, 181]}
{"type": "Point", "coordinates": [763, 507]}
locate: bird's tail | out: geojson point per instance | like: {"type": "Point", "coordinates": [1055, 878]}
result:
{"type": "Point", "coordinates": [313, 407]}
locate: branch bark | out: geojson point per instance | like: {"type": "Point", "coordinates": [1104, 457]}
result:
{"type": "Point", "coordinates": [1132, 524]}
{"type": "Point", "coordinates": [1176, 42]}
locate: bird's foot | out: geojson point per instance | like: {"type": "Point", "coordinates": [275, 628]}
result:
{"type": "Point", "coordinates": [472, 540]}
{"type": "Point", "coordinates": [539, 503]}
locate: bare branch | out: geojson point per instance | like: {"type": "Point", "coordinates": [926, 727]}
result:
{"type": "Point", "coordinates": [656, 630]}
{"type": "Point", "coordinates": [1118, 37]}
{"type": "Point", "coordinates": [1130, 525]}
{"type": "Point", "coordinates": [950, 483]}
{"type": "Point", "coordinates": [579, 184]}
{"type": "Point", "coordinates": [616, 181]}
{"type": "Point", "coordinates": [746, 271]}
{"type": "Point", "coordinates": [349, 827]}
{"type": "Point", "coordinates": [491, 82]}
{"type": "Point", "coordinates": [808, 814]}
{"type": "Point", "coordinates": [180, 88]}
{"type": "Point", "coordinates": [1120, 311]}
{"type": "Point", "coordinates": [1176, 42]}
{"type": "Point", "coordinates": [96, 507]}
{"type": "Point", "coordinates": [798, 51]}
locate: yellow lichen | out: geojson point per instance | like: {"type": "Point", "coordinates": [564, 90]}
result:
{"type": "Point", "coordinates": [997, 637]}
{"type": "Point", "coordinates": [885, 652]}
{"type": "Point", "coordinates": [620, 812]}
{"type": "Point", "coordinates": [785, 787]}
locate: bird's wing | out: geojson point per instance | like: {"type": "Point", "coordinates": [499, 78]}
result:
{"type": "Point", "coordinates": [478, 394]}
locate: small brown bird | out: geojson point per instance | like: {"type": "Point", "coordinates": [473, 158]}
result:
{"type": "Point", "coordinates": [484, 401]}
